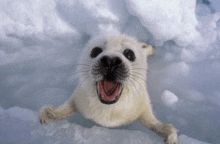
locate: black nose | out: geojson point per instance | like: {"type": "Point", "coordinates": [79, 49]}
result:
{"type": "Point", "coordinates": [110, 63]}
{"type": "Point", "coordinates": [112, 68]}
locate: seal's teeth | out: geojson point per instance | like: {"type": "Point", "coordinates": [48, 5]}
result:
{"type": "Point", "coordinates": [120, 90]}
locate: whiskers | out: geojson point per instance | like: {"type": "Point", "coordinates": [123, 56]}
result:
{"type": "Point", "coordinates": [140, 67]}
{"type": "Point", "coordinates": [87, 63]}
{"type": "Point", "coordinates": [88, 73]}
{"type": "Point", "coordinates": [83, 70]}
{"type": "Point", "coordinates": [83, 74]}
{"type": "Point", "coordinates": [137, 75]}
{"type": "Point", "coordinates": [137, 86]}
{"type": "Point", "coordinates": [140, 72]}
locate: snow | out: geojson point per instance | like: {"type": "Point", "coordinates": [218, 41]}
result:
{"type": "Point", "coordinates": [32, 18]}
{"type": "Point", "coordinates": [173, 19]}
{"type": "Point", "coordinates": [168, 98]}
{"type": "Point", "coordinates": [1, 110]}
{"type": "Point", "coordinates": [40, 44]}
{"type": "Point", "coordinates": [94, 16]}
{"type": "Point", "coordinates": [23, 114]}
{"type": "Point", "coordinates": [17, 127]}
{"type": "Point", "coordinates": [215, 4]}
{"type": "Point", "coordinates": [185, 140]}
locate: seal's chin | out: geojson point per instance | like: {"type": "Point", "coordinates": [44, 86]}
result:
{"type": "Point", "coordinates": [109, 92]}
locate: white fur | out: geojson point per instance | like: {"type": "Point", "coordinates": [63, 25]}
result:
{"type": "Point", "coordinates": [134, 103]}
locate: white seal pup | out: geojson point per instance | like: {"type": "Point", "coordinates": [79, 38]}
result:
{"type": "Point", "coordinates": [112, 88]}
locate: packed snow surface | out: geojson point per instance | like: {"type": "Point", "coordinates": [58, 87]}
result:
{"type": "Point", "coordinates": [25, 128]}
{"type": "Point", "coordinates": [40, 43]}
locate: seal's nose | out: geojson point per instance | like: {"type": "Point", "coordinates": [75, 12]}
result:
{"type": "Point", "coordinates": [111, 62]}
{"type": "Point", "coordinates": [111, 66]}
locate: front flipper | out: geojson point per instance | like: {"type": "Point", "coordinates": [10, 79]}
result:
{"type": "Point", "coordinates": [167, 131]}
{"type": "Point", "coordinates": [49, 113]}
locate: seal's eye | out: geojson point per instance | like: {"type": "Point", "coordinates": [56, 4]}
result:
{"type": "Point", "coordinates": [129, 54]}
{"type": "Point", "coordinates": [95, 52]}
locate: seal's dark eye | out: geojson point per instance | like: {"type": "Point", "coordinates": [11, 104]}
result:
{"type": "Point", "coordinates": [95, 52]}
{"type": "Point", "coordinates": [129, 54]}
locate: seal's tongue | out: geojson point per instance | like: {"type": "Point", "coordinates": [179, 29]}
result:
{"type": "Point", "coordinates": [109, 87]}
{"type": "Point", "coordinates": [109, 91]}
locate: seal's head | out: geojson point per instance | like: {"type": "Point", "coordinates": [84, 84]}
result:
{"type": "Point", "coordinates": [111, 63]}
{"type": "Point", "coordinates": [113, 72]}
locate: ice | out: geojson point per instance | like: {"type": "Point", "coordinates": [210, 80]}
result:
{"type": "Point", "coordinates": [1, 110]}
{"type": "Point", "coordinates": [187, 140]}
{"type": "Point", "coordinates": [188, 55]}
{"type": "Point", "coordinates": [196, 96]}
{"type": "Point", "coordinates": [178, 69]}
{"type": "Point", "coordinates": [207, 27]}
{"type": "Point", "coordinates": [215, 98]}
{"type": "Point", "coordinates": [32, 18]}
{"type": "Point", "coordinates": [41, 41]}
{"type": "Point", "coordinates": [18, 127]}
{"type": "Point", "coordinates": [216, 66]}
{"type": "Point", "coordinates": [215, 4]}
{"type": "Point", "coordinates": [138, 31]}
{"type": "Point", "coordinates": [92, 16]}
{"type": "Point", "coordinates": [168, 98]}
{"type": "Point", "coordinates": [23, 114]}
{"type": "Point", "coordinates": [175, 19]}
{"type": "Point", "coordinates": [202, 9]}
{"type": "Point", "coordinates": [168, 57]}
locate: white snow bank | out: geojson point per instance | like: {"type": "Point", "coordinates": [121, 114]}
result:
{"type": "Point", "coordinates": [16, 127]}
{"type": "Point", "coordinates": [28, 26]}
{"type": "Point", "coordinates": [23, 114]}
{"type": "Point", "coordinates": [94, 16]}
{"type": "Point", "coordinates": [23, 18]}
{"type": "Point", "coordinates": [168, 98]}
{"type": "Point", "coordinates": [167, 19]}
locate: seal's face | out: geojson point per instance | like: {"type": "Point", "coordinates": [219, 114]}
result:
{"type": "Point", "coordinates": [113, 72]}
{"type": "Point", "coordinates": [112, 61]}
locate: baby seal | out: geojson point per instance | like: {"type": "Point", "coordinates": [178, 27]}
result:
{"type": "Point", "coordinates": [112, 88]}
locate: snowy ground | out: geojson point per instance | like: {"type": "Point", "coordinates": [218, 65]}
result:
{"type": "Point", "coordinates": [21, 126]}
{"type": "Point", "coordinates": [40, 41]}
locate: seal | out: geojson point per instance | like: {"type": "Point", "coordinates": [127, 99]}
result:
{"type": "Point", "coordinates": [112, 88]}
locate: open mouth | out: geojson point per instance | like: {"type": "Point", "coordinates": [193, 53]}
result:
{"type": "Point", "coordinates": [109, 92]}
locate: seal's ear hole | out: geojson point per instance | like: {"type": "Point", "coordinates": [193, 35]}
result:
{"type": "Point", "coordinates": [95, 52]}
{"type": "Point", "coordinates": [129, 54]}
{"type": "Point", "coordinates": [148, 49]}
